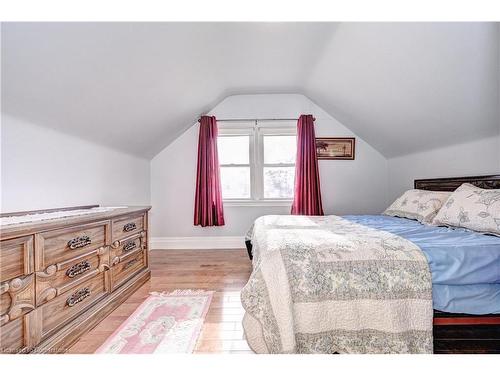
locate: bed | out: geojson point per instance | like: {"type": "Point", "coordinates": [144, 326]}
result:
{"type": "Point", "coordinates": [465, 271]}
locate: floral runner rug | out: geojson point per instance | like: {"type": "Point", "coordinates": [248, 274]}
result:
{"type": "Point", "coordinates": [163, 323]}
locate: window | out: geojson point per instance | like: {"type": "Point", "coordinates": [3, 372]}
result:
{"type": "Point", "coordinates": [234, 160]}
{"type": "Point", "coordinates": [257, 162]}
{"type": "Point", "coordinates": [279, 165]}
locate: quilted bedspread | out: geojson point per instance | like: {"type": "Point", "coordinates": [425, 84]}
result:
{"type": "Point", "coordinates": [329, 285]}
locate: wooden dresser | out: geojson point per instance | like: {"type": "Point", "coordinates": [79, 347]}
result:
{"type": "Point", "coordinates": [60, 277]}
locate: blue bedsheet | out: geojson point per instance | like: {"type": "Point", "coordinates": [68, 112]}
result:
{"type": "Point", "coordinates": [470, 299]}
{"type": "Point", "coordinates": [465, 265]}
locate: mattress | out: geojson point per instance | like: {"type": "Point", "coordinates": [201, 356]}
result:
{"type": "Point", "coordinates": [465, 265]}
{"type": "Point", "coordinates": [477, 299]}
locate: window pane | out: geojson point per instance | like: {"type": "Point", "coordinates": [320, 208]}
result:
{"type": "Point", "coordinates": [233, 150]}
{"type": "Point", "coordinates": [278, 182]}
{"type": "Point", "coordinates": [235, 182]}
{"type": "Point", "coordinates": [280, 149]}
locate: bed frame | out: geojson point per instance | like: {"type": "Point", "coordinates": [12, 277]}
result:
{"type": "Point", "coordinates": [464, 333]}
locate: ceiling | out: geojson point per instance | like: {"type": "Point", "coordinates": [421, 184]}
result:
{"type": "Point", "coordinates": [408, 87]}
{"type": "Point", "coordinates": [137, 86]}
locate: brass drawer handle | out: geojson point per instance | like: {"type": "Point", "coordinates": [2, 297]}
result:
{"type": "Point", "coordinates": [129, 246]}
{"type": "Point", "coordinates": [78, 269]}
{"type": "Point", "coordinates": [130, 263]}
{"type": "Point", "coordinates": [129, 227]}
{"type": "Point", "coordinates": [78, 242]}
{"type": "Point", "coordinates": [78, 297]}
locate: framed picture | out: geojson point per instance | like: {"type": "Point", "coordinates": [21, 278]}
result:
{"type": "Point", "coordinates": [335, 148]}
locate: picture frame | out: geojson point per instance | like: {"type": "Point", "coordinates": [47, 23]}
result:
{"type": "Point", "coordinates": [335, 148]}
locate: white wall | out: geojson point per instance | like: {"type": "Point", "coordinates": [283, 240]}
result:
{"type": "Point", "coordinates": [472, 158]}
{"type": "Point", "coordinates": [43, 168]}
{"type": "Point", "coordinates": [358, 186]}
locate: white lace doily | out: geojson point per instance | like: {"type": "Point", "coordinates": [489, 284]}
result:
{"type": "Point", "coordinates": [10, 220]}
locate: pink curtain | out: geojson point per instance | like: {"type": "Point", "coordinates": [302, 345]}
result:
{"type": "Point", "coordinates": [307, 197]}
{"type": "Point", "coordinates": [208, 209]}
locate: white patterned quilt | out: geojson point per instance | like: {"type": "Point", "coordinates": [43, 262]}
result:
{"type": "Point", "coordinates": [323, 284]}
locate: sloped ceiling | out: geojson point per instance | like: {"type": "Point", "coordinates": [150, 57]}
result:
{"type": "Point", "coordinates": [411, 87]}
{"type": "Point", "coordinates": [137, 86]}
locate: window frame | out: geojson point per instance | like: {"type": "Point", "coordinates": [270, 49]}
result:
{"type": "Point", "coordinates": [257, 130]}
{"type": "Point", "coordinates": [235, 132]}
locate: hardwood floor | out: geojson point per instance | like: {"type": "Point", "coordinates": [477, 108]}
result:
{"type": "Point", "coordinates": [224, 271]}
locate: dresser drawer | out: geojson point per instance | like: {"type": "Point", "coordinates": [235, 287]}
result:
{"type": "Point", "coordinates": [54, 314]}
{"type": "Point", "coordinates": [127, 245]}
{"type": "Point", "coordinates": [58, 278]}
{"type": "Point", "coordinates": [126, 226]}
{"type": "Point", "coordinates": [17, 297]}
{"type": "Point", "coordinates": [64, 244]}
{"type": "Point", "coordinates": [16, 257]}
{"type": "Point", "coordinates": [128, 266]}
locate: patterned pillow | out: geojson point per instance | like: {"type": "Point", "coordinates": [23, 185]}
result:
{"type": "Point", "coordinates": [472, 208]}
{"type": "Point", "coordinates": [421, 205]}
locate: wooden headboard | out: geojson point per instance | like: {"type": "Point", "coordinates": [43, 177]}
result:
{"type": "Point", "coordinates": [451, 183]}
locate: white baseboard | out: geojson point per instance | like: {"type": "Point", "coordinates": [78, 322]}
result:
{"type": "Point", "coordinates": [181, 243]}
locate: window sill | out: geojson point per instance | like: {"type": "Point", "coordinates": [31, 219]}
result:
{"type": "Point", "coordinates": [257, 203]}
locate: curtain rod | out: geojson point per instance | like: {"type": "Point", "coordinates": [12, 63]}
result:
{"type": "Point", "coordinates": [257, 119]}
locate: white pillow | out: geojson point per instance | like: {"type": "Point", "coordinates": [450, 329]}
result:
{"type": "Point", "coordinates": [421, 205]}
{"type": "Point", "coordinates": [472, 208]}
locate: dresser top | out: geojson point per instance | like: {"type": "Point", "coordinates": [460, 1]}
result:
{"type": "Point", "coordinates": [26, 223]}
